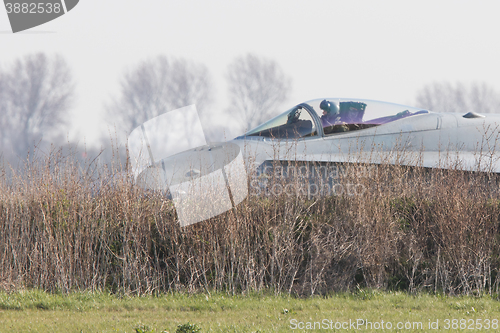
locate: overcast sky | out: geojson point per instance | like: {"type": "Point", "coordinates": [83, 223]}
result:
{"type": "Point", "coordinates": [382, 50]}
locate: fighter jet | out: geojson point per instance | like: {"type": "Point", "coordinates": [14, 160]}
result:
{"type": "Point", "coordinates": [326, 131]}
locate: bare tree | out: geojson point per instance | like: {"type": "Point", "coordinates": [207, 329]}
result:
{"type": "Point", "coordinates": [461, 98]}
{"type": "Point", "coordinates": [36, 95]}
{"type": "Point", "coordinates": [257, 87]}
{"type": "Point", "coordinates": [159, 85]}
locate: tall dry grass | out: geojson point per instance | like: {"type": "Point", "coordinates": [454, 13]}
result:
{"type": "Point", "coordinates": [62, 229]}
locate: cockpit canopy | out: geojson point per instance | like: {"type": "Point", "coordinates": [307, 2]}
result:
{"type": "Point", "coordinates": [332, 116]}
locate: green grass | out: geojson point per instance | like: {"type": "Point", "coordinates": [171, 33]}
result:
{"type": "Point", "coordinates": [36, 311]}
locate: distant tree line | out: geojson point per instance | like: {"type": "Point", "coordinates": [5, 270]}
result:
{"type": "Point", "coordinates": [37, 93]}
{"type": "Point", "coordinates": [459, 97]}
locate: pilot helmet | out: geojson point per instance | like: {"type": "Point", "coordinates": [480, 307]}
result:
{"type": "Point", "coordinates": [329, 107]}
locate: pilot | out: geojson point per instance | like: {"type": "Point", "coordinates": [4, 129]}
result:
{"type": "Point", "coordinates": [330, 113]}
{"type": "Point", "coordinates": [293, 116]}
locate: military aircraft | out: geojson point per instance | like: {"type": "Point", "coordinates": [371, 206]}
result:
{"type": "Point", "coordinates": [328, 131]}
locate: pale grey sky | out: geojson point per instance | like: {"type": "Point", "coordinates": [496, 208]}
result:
{"type": "Point", "coordinates": [382, 50]}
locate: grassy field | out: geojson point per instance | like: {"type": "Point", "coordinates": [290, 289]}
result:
{"type": "Point", "coordinates": [35, 311]}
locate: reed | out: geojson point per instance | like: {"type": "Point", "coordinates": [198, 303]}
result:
{"type": "Point", "coordinates": [406, 228]}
